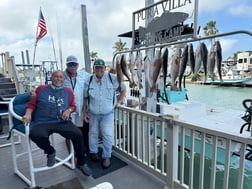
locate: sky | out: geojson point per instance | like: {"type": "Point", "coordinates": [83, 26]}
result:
{"type": "Point", "coordinates": [106, 20]}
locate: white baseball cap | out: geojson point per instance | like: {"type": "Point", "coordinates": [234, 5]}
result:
{"type": "Point", "coordinates": [71, 59]}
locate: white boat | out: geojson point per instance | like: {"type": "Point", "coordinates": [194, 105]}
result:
{"type": "Point", "coordinates": [231, 79]}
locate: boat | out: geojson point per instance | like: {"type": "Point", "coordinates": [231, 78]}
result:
{"type": "Point", "coordinates": [231, 79]}
{"type": "Point", "coordinates": [180, 144]}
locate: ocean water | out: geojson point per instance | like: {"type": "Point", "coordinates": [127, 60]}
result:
{"type": "Point", "coordinates": [213, 95]}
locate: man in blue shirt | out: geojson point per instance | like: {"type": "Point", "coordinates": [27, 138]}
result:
{"type": "Point", "coordinates": [75, 80]}
{"type": "Point", "coordinates": [51, 108]}
{"type": "Point", "coordinates": [98, 109]}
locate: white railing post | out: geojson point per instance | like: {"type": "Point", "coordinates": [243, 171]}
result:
{"type": "Point", "coordinates": [172, 153]}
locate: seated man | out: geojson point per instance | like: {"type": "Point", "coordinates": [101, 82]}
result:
{"type": "Point", "coordinates": [50, 109]}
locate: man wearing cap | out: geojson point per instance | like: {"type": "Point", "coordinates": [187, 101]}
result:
{"type": "Point", "coordinates": [75, 80]}
{"type": "Point", "coordinates": [50, 109]}
{"type": "Point", "coordinates": [98, 109]}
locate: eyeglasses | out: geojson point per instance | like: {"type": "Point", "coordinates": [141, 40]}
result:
{"type": "Point", "coordinates": [72, 64]}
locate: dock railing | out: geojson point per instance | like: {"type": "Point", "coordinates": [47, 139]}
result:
{"type": "Point", "coordinates": [181, 154]}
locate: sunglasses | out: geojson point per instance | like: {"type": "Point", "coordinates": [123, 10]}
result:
{"type": "Point", "coordinates": [72, 64]}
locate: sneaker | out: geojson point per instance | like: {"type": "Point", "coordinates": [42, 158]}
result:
{"type": "Point", "coordinates": [85, 169]}
{"type": "Point", "coordinates": [94, 157]}
{"type": "Point", "coordinates": [51, 159]}
{"type": "Point", "coordinates": [106, 163]}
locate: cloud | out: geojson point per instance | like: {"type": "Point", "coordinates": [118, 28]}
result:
{"type": "Point", "coordinates": [227, 45]}
{"type": "Point", "coordinates": [106, 20]}
{"type": "Point", "coordinates": [215, 5]}
{"type": "Point", "coordinates": [241, 10]}
{"type": "Point", "coordinates": [63, 18]}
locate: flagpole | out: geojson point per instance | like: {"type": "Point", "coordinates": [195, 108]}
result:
{"type": "Point", "coordinates": [35, 44]}
{"type": "Point", "coordinates": [54, 52]}
{"type": "Point", "coordinates": [59, 41]}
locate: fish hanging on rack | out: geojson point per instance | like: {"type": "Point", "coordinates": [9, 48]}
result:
{"type": "Point", "coordinates": [131, 66]}
{"type": "Point", "coordinates": [165, 64]}
{"type": "Point", "coordinates": [156, 67]}
{"type": "Point", "coordinates": [147, 64]}
{"type": "Point", "coordinates": [211, 62]}
{"type": "Point", "coordinates": [183, 64]}
{"type": "Point", "coordinates": [119, 73]}
{"type": "Point", "coordinates": [139, 65]}
{"type": "Point", "coordinates": [204, 56]}
{"type": "Point", "coordinates": [218, 58]}
{"type": "Point", "coordinates": [125, 71]}
{"type": "Point", "coordinates": [174, 71]}
{"type": "Point", "coordinates": [165, 70]}
{"type": "Point", "coordinates": [201, 59]}
{"type": "Point", "coordinates": [198, 63]}
{"type": "Point", "coordinates": [191, 57]}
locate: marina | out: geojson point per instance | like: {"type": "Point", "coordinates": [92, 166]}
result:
{"type": "Point", "coordinates": [175, 136]}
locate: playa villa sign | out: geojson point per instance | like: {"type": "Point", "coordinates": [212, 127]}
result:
{"type": "Point", "coordinates": [165, 23]}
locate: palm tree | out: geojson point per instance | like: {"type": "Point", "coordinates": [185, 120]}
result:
{"type": "Point", "coordinates": [235, 55]}
{"type": "Point", "coordinates": [119, 46]}
{"type": "Point", "coordinates": [210, 29]}
{"type": "Point", "coordinates": [93, 55]}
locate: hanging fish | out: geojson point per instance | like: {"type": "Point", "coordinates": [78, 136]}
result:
{"type": "Point", "coordinates": [147, 64]}
{"type": "Point", "coordinates": [156, 66]}
{"type": "Point", "coordinates": [165, 65]}
{"type": "Point", "coordinates": [174, 71]}
{"type": "Point", "coordinates": [204, 54]}
{"type": "Point", "coordinates": [119, 73]}
{"type": "Point", "coordinates": [164, 70]}
{"type": "Point", "coordinates": [191, 58]}
{"type": "Point", "coordinates": [132, 66]}
{"type": "Point", "coordinates": [182, 67]}
{"type": "Point", "coordinates": [218, 58]}
{"type": "Point", "coordinates": [198, 63]}
{"type": "Point", "coordinates": [139, 65]}
{"type": "Point", "coordinates": [125, 70]}
{"type": "Point", "coordinates": [211, 62]}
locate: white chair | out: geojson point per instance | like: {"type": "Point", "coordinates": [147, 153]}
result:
{"type": "Point", "coordinates": [104, 185]}
{"type": "Point", "coordinates": [4, 112]}
{"type": "Point", "coordinates": [16, 111]}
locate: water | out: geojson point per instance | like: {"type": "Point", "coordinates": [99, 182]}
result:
{"type": "Point", "coordinates": [213, 95]}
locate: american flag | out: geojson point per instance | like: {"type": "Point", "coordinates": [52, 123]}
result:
{"type": "Point", "coordinates": [41, 27]}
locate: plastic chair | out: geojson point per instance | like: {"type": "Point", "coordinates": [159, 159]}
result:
{"type": "Point", "coordinates": [104, 185]}
{"type": "Point", "coordinates": [16, 111]}
{"type": "Point", "coordinates": [5, 112]}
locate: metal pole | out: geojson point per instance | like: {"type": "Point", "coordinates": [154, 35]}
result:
{"type": "Point", "coordinates": [150, 106]}
{"type": "Point", "coordinates": [22, 55]}
{"type": "Point", "coordinates": [35, 44]}
{"type": "Point", "coordinates": [196, 7]}
{"type": "Point", "coordinates": [85, 39]}
{"type": "Point", "coordinates": [27, 56]}
{"type": "Point", "coordinates": [59, 42]}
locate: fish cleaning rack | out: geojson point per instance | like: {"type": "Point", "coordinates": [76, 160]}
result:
{"type": "Point", "coordinates": [144, 95]}
{"type": "Point", "coordinates": [169, 30]}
